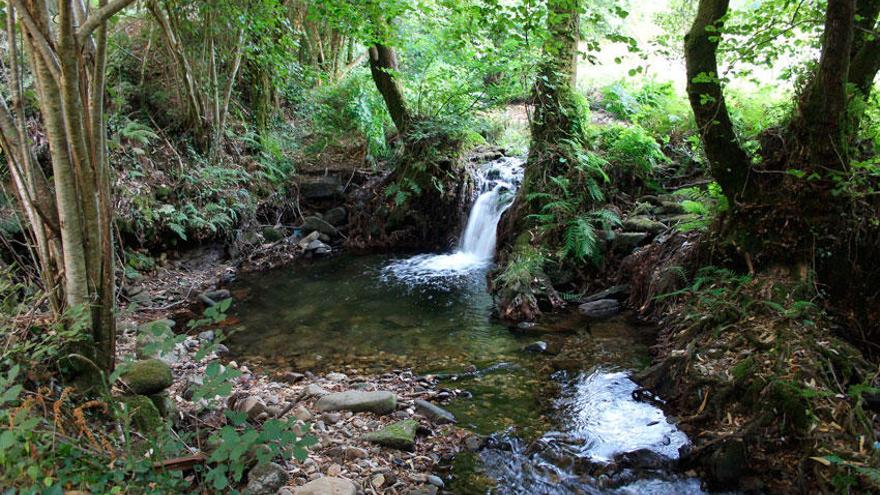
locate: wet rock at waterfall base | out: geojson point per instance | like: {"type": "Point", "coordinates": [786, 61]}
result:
{"type": "Point", "coordinates": [433, 412]}
{"type": "Point", "coordinates": [603, 308]}
{"type": "Point", "coordinates": [355, 401]}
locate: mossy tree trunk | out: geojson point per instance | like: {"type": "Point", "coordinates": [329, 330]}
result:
{"type": "Point", "coordinates": [556, 135]}
{"type": "Point", "coordinates": [729, 163]}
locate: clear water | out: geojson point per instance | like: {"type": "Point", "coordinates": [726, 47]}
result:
{"type": "Point", "coordinates": [432, 313]}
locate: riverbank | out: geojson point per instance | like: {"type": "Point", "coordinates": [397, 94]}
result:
{"type": "Point", "coordinates": [342, 412]}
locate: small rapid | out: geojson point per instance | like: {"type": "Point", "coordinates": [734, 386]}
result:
{"type": "Point", "coordinates": [497, 182]}
{"type": "Point", "coordinates": [609, 443]}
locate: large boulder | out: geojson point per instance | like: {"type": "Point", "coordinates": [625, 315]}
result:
{"type": "Point", "coordinates": [318, 188]}
{"type": "Point", "coordinates": [337, 216]}
{"type": "Point", "coordinates": [327, 486]}
{"type": "Point", "coordinates": [356, 401]}
{"type": "Point", "coordinates": [148, 377]}
{"type": "Point", "coordinates": [266, 479]}
{"type": "Point", "coordinates": [318, 224]}
{"type": "Point", "coordinates": [435, 413]}
{"type": "Point", "coordinates": [400, 435]}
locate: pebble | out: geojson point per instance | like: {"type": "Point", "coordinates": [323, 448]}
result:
{"type": "Point", "coordinates": [331, 418]}
{"type": "Point", "coordinates": [435, 480]}
{"type": "Point", "coordinates": [337, 377]}
{"type": "Point", "coordinates": [302, 413]}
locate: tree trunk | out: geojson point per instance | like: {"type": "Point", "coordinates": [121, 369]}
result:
{"type": "Point", "coordinates": [820, 120]}
{"type": "Point", "coordinates": [383, 66]}
{"type": "Point", "coordinates": [68, 66]}
{"type": "Point", "coordinates": [865, 53]}
{"type": "Point", "coordinates": [729, 163]}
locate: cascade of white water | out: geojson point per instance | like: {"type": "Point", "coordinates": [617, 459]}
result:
{"type": "Point", "coordinates": [497, 181]}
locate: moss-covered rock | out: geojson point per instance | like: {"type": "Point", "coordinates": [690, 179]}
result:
{"type": "Point", "coordinates": [142, 412]}
{"type": "Point", "coordinates": [400, 435]}
{"type": "Point", "coordinates": [164, 404]}
{"type": "Point", "coordinates": [148, 377]}
{"type": "Point", "coordinates": [643, 224]}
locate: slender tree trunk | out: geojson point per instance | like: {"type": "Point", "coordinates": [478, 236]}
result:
{"type": "Point", "coordinates": [728, 161]}
{"type": "Point", "coordinates": [383, 66]}
{"type": "Point", "coordinates": [68, 66]}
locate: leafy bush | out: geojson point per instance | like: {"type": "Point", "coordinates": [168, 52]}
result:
{"type": "Point", "coordinates": [631, 148]}
{"type": "Point", "coordinates": [568, 210]}
{"type": "Point", "coordinates": [705, 204]}
{"type": "Point", "coordinates": [352, 106]}
{"type": "Point", "coordinates": [656, 106]}
{"type": "Point", "coordinates": [53, 440]}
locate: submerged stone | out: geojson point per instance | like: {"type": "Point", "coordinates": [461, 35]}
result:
{"type": "Point", "coordinates": [433, 412]}
{"type": "Point", "coordinates": [355, 401]}
{"type": "Point", "coordinates": [400, 435]}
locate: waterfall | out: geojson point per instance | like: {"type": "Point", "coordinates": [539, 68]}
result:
{"type": "Point", "coordinates": [497, 182]}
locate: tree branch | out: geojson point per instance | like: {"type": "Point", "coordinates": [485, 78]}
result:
{"type": "Point", "coordinates": [99, 17]}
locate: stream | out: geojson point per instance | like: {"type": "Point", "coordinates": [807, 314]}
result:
{"type": "Point", "coordinates": [565, 433]}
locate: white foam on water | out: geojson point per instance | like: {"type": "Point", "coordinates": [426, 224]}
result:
{"type": "Point", "coordinates": [605, 416]}
{"type": "Point", "coordinates": [497, 181]}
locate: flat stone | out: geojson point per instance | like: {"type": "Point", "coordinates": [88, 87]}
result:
{"type": "Point", "coordinates": [266, 479]}
{"type": "Point", "coordinates": [617, 292]}
{"type": "Point", "coordinates": [148, 377]}
{"type": "Point", "coordinates": [313, 390]}
{"type": "Point", "coordinates": [643, 224]}
{"type": "Point", "coordinates": [305, 241]}
{"type": "Point", "coordinates": [400, 435]}
{"type": "Point", "coordinates": [436, 481]}
{"type": "Point", "coordinates": [323, 187]}
{"type": "Point", "coordinates": [628, 240]}
{"type": "Point", "coordinates": [327, 486]}
{"type": "Point", "coordinates": [356, 401]}
{"type": "Point", "coordinates": [602, 308]}
{"type": "Point", "coordinates": [435, 413]}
